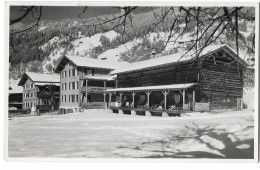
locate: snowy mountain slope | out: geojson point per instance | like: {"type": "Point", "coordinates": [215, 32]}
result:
{"type": "Point", "coordinates": [135, 49]}
{"type": "Point", "coordinates": [115, 53]}
{"type": "Point", "coordinates": [84, 45]}
{"type": "Point", "coordinates": [79, 47]}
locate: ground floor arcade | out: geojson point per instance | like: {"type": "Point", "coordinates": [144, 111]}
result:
{"type": "Point", "coordinates": [162, 100]}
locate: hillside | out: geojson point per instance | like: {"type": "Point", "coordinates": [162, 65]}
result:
{"type": "Point", "coordinates": [40, 50]}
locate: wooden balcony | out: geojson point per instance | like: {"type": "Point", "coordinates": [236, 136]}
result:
{"type": "Point", "coordinates": [92, 89]}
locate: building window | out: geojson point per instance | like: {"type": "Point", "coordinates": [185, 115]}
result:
{"type": "Point", "coordinates": [77, 85]}
{"type": "Point", "coordinates": [73, 85]}
{"type": "Point", "coordinates": [73, 72]}
{"type": "Point", "coordinates": [77, 98]}
{"type": "Point", "coordinates": [72, 98]}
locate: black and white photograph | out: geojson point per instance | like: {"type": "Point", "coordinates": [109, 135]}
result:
{"type": "Point", "coordinates": [142, 81]}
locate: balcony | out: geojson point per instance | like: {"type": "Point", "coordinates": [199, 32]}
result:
{"type": "Point", "coordinates": [94, 89]}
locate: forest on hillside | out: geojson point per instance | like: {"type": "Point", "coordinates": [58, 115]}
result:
{"type": "Point", "coordinates": [27, 52]}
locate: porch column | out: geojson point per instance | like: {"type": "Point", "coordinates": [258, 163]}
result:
{"type": "Point", "coordinates": [193, 100]}
{"type": "Point", "coordinates": [165, 93]}
{"type": "Point", "coordinates": [109, 102]}
{"type": "Point", "coordinates": [86, 92]}
{"type": "Point", "coordinates": [116, 83]}
{"type": "Point", "coordinates": [105, 100]}
{"type": "Point", "coordinates": [105, 85]}
{"type": "Point", "coordinates": [120, 97]}
{"type": "Point", "coordinates": [133, 94]}
{"type": "Point", "coordinates": [148, 97]}
{"type": "Point", "coordinates": [183, 99]}
{"type": "Point", "coordinates": [104, 97]}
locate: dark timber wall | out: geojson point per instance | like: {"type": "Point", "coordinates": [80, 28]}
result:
{"type": "Point", "coordinates": [219, 77]}
{"type": "Point", "coordinates": [163, 75]}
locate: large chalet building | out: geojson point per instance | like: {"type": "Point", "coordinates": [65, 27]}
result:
{"type": "Point", "coordinates": [84, 81]}
{"type": "Point", "coordinates": [37, 88]}
{"type": "Point", "coordinates": [169, 85]}
{"type": "Point", "coordinates": [213, 81]}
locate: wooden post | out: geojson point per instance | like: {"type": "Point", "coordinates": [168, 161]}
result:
{"type": "Point", "coordinates": [120, 97]}
{"type": "Point", "coordinates": [148, 98]}
{"type": "Point", "coordinates": [165, 93]}
{"type": "Point", "coordinates": [183, 99]}
{"type": "Point", "coordinates": [105, 85]}
{"type": "Point", "coordinates": [109, 104]}
{"type": "Point", "coordinates": [194, 101]}
{"type": "Point", "coordinates": [133, 94]}
{"type": "Point", "coordinates": [104, 97]}
{"type": "Point", "coordinates": [105, 100]}
{"type": "Point", "coordinates": [116, 83]}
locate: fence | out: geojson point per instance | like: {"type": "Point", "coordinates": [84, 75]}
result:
{"type": "Point", "coordinates": [18, 113]}
{"type": "Point", "coordinates": [202, 107]}
{"type": "Point", "coordinates": [95, 105]}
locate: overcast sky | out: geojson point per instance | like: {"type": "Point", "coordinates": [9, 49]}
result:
{"type": "Point", "coordinates": [68, 12]}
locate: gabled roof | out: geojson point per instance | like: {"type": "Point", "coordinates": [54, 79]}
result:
{"type": "Point", "coordinates": [90, 63]}
{"type": "Point", "coordinates": [174, 58]}
{"type": "Point", "coordinates": [40, 78]}
{"type": "Point", "coordinates": [14, 88]}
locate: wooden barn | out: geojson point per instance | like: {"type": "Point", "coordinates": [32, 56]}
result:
{"type": "Point", "coordinates": [172, 84]}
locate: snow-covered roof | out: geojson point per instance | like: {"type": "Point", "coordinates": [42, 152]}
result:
{"type": "Point", "coordinates": [14, 87]}
{"type": "Point", "coordinates": [92, 63]}
{"type": "Point", "coordinates": [174, 58]}
{"type": "Point", "coordinates": [43, 79]}
{"type": "Point", "coordinates": [154, 88]}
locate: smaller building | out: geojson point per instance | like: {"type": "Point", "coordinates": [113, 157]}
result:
{"type": "Point", "coordinates": [40, 91]}
{"type": "Point", "coordinates": [15, 99]}
{"type": "Point", "coordinates": [249, 78]}
{"type": "Point", "coordinates": [15, 95]}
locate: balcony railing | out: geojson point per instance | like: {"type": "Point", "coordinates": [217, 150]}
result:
{"type": "Point", "coordinates": [92, 89]}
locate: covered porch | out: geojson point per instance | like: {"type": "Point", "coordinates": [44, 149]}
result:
{"type": "Point", "coordinates": [163, 100]}
{"type": "Point", "coordinates": [93, 91]}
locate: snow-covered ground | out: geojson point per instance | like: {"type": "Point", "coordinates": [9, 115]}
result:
{"type": "Point", "coordinates": [249, 98]}
{"type": "Point", "coordinates": [99, 134]}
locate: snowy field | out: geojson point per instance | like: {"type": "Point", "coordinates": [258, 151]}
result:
{"type": "Point", "coordinates": [109, 135]}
